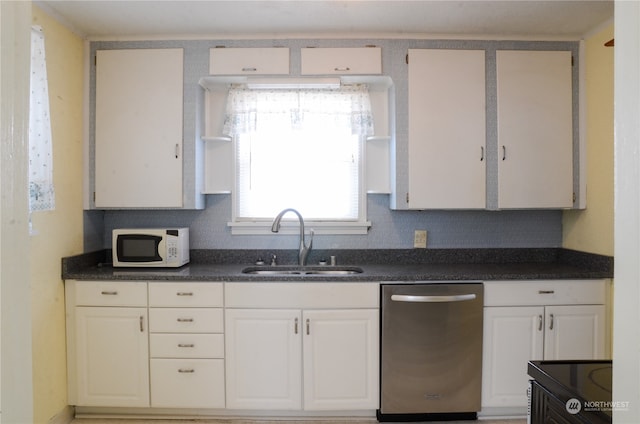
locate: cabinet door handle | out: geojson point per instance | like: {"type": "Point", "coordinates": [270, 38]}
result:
{"type": "Point", "coordinates": [184, 294]}
{"type": "Point", "coordinates": [186, 370]}
{"type": "Point", "coordinates": [177, 150]}
{"type": "Point", "coordinates": [540, 322]}
{"type": "Point", "coordinates": [308, 324]}
{"type": "Point", "coordinates": [185, 319]}
{"type": "Point", "coordinates": [481, 153]}
{"type": "Point", "coordinates": [504, 152]}
{"type": "Point", "coordinates": [109, 293]}
{"type": "Point", "coordinates": [546, 291]}
{"type": "Point", "coordinates": [186, 345]}
{"type": "Point", "coordinates": [550, 321]}
{"type": "Point", "coordinates": [295, 326]}
{"type": "Point", "coordinates": [141, 324]}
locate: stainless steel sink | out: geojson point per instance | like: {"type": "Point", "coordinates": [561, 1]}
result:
{"type": "Point", "coordinates": [302, 271]}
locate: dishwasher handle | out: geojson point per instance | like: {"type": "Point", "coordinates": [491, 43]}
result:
{"type": "Point", "coordinates": [432, 299]}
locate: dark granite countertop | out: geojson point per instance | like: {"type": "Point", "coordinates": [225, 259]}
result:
{"type": "Point", "coordinates": [377, 265]}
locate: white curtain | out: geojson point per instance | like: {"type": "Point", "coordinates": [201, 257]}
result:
{"type": "Point", "coordinates": [256, 110]}
{"type": "Point", "coordinates": [41, 190]}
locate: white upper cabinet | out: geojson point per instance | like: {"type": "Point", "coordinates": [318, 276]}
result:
{"type": "Point", "coordinates": [138, 128]}
{"type": "Point", "coordinates": [447, 154]}
{"type": "Point", "coordinates": [249, 61]}
{"type": "Point", "coordinates": [535, 129]}
{"type": "Point", "coordinates": [341, 61]}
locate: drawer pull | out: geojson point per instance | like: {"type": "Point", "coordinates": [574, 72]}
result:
{"type": "Point", "coordinates": [186, 370]}
{"type": "Point", "coordinates": [249, 69]}
{"type": "Point", "coordinates": [546, 291]}
{"type": "Point", "coordinates": [186, 345]}
{"type": "Point", "coordinates": [185, 319]}
{"type": "Point", "coordinates": [109, 293]}
{"type": "Point", "coordinates": [184, 294]}
{"type": "Point", "coordinates": [345, 69]}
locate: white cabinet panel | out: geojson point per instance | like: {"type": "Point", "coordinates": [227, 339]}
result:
{"type": "Point", "coordinates": [512, 337]}
{"type": "Point", "coordinates": [112, 356]}
{"type": "Point", "coordinates": [535, 129]}
{"type": "Point", "coordinates": [138, 128]}
{"type": "Point", "coordinates": [186, 345]}
{"type": "Point", "coordinates": [341, 359]}
{"type": "Point", "coordinates": [447, 154]}
{"type": "Point", "coordinates": [186, 320]}
{"type": "Point", "coordinates": [263, 359]}
{"type": "Point", "coordinates": [574, 332]}
{"type": "Point", "coordinates": [342, 61]}
{"type": "Point", "coordinates": [187, 383]}
{"type": "Point", "coordinates": [249, 61]}
{"type": "Point", "coordinates": [185, 294]}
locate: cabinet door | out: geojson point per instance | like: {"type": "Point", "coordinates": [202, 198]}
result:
{"type": "Point", "coordinates": [112, 356]}
{"type": "Point", "coordinates": [535, 129]}
{"type": "Point", "coordinates": [263, 356]}
{"type": "Point", "coordinates": [447, 129]}
{"type": "Point", "coordinates": [138, 128]}
{"type": "Point", "coordinates": [249, 61]}
{"type": "Point", "coordinates": [574, 332]}
{"type": "Point", "coordinates": [341, 61]}
{"type": "Point", "coordinates": [512, 337]}
{"type": "Point", "coordinates": [340, 359]}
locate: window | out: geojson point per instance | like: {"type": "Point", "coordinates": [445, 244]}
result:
{"type": "Point", "coordinates": [301, 149]}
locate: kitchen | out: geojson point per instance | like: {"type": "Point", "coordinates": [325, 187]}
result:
{"type": "Point", "coordinates": [51, 373]}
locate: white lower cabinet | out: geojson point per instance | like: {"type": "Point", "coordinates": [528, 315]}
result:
{"type": "Point", "coordinates": [304, 357]}
{"type": "Point", "coordinates": [107, 343]}
{"type": "Point", "coordinates": [186, 345]}
{"type": "Point", "coordinates": [537, 320]}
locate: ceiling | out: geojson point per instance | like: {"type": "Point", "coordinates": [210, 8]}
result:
{"type": "Point", "coordinates": [118, 19]}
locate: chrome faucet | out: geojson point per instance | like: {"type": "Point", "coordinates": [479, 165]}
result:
{"type": "Point", "coordinates": [304, 249]}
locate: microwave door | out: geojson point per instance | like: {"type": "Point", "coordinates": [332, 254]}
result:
{"type": "Point", "coordinates": [139, 248]}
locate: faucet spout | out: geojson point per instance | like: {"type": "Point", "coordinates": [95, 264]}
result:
{"type": "Point", "coordinates": [303, 250]}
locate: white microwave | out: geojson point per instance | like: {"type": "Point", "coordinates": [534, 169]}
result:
{"type": "Point", "coordinates": [150, 247]}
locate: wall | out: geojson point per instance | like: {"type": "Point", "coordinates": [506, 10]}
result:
{"type": "Point", "coordinates": [15, 318]}
{"type": "Point", "coordinates": [626, 318]}
{"type": "Point", "coordinates": [57, 233]}
{"type": "Point", "coordinates": [591, 229]}
{"type": "Point", "coordinates": [390, 228]}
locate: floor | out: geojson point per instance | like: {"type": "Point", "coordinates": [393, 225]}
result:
{"type": "Point", "coordinates": [275, 421]}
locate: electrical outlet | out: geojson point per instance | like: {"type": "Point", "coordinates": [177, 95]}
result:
{"type": "Point", "coordinates": [420, 239]}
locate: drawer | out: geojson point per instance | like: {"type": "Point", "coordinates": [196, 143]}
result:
{"type": "Point", "coordinates": [302, 295]}
{"type": "Point", "coordinates": [186, 345]}
{"type": "Point", "coordinates": [341, 61]}
{"type": "Point", "coordinates": [544, 292]}
{"type": "Point", "coordinates": [186, 295]}
{"type": "Point", "coordinates": [110, 293]}
{"type": "Point", "coordinates": [185, 320]}
{"type": "Point", "coordinates": [187, 383]}
{"type": "Point", "coordinates": [249, 61]}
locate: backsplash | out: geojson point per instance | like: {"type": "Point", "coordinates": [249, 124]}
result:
{"type": "Point", "coordinates": [389, 230]}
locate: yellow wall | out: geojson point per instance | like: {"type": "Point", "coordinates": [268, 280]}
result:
{"type": "Point", "coordinates": [59, 232]}
{"type": "Point", "coordinates": [591, 230]}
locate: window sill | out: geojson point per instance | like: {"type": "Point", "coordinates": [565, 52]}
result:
{"type": "Point", "coordinates": [335, 228]}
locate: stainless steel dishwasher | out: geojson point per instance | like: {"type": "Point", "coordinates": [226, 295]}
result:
{"type": "Point", "coordinates": [431, 351]}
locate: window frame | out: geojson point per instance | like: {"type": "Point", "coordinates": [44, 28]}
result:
{"type": "Point", "coordinates": [290, 225]}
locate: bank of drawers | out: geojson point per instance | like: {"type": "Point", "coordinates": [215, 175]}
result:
{"type": "Point", "coordinates": [186, 345]}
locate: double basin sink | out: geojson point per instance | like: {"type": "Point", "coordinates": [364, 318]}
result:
{"type": "Point", "coordinates": [302, 270]}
